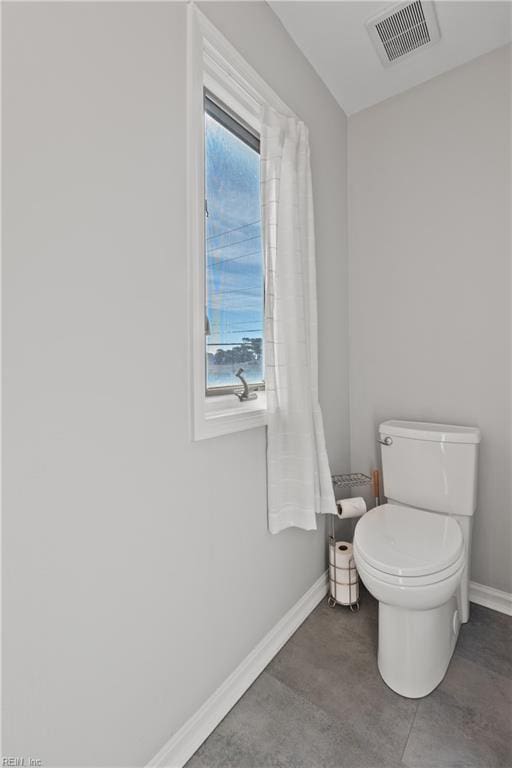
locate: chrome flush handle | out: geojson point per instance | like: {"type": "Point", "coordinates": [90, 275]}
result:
{"type": "Point", "coordinates": [387, 441]}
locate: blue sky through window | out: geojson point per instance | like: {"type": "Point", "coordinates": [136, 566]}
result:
{"type": "Point", "coordinates": [234, 263]}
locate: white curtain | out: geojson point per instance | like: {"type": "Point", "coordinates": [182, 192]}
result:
{"type": "Point", "coordinates": [299, 479]}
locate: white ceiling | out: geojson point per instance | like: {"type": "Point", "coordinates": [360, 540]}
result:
{"type": "Point", "coordinates": [333, 36]}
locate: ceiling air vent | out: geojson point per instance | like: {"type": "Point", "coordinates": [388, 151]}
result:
{"type": "Point", "coordinates": [403, 29]}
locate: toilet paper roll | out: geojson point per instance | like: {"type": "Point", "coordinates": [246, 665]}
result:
{"type": "Point", "coordinates": [342, 555]}
{"type": "Point", "coordinates": [355, 507]}
{"type": "Point", "coordinates": [345, 594]}
{"type": "Point", "coordinates": [342, 576]}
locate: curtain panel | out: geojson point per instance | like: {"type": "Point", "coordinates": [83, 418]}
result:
{"type": "Point", "coordinates": [299, 478]}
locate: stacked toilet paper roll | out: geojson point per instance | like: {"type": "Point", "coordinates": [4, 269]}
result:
{"type": "Point", "coordinates": [343, 577]}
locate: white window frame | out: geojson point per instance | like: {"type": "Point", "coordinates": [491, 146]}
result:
{"type": "Point", "coordinates": [214, 64]}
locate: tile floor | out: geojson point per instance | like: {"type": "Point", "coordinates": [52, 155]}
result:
{"type": "Point", "coordinates": [322, 704]}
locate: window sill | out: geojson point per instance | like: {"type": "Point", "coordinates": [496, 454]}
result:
{"type": "Point", "coordinates": [224, 414]}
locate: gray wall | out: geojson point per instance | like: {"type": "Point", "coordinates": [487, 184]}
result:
{"type": "Point", "coordinates": [429, 243]}
{"type": "Point", "coordinates": [138, 567]}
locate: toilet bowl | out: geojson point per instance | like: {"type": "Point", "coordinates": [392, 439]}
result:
{"type": "Point", "coordinates": [412, 553]}
{"type": "Point", "coordinates": [412, 562]}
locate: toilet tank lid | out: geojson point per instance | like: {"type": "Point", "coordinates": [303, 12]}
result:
{"type": "Point", "coordinates": [424, 430]}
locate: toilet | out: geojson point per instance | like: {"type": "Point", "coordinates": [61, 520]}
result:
{"type": "Point", "coordinates": [413, 552]}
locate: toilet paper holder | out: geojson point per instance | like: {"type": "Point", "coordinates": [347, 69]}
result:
{"type": "Point", "coordinates": [349, 480]}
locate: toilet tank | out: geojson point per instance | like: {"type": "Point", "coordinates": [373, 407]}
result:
{"type": "Point", "coordinates": [430, 466]}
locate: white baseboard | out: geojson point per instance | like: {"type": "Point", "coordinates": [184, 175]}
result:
{"type": "Point", "coordinates": [490, 597]}
{"type": "Point", "coordinates": [181, 746]}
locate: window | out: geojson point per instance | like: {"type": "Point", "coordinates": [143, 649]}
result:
{"type": "Point", "coordinates": [226, 262]}
{"type": "Point", "coordinates": [234, 264]}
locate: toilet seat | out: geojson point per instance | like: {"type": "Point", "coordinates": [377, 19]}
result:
{"type": "Point", "coordinates": [408, 581]}
{"type": "Point", "coordinates": [407, 546]}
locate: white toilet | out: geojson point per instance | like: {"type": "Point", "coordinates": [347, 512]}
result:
{"type": "Point", "coordinates": [413, 552]}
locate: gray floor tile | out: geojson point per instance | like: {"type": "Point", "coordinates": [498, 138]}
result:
{"type": "Point", "coordinates": [341, 618]}
{"type": "Point", "coordinates": [322, 704]}
{"type": "Point", "coordinates": [332, 662]}
{"type": "Point", "coordinates": [274, 727]}
{"type": "Point", "coordinates": [465, 722]}
{"type": "Point", "coordinates": [487, 640]}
